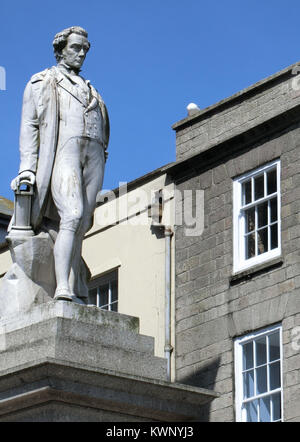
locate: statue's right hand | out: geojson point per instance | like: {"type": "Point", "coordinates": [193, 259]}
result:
{"type": "Point", "coordinates": [26, 175]}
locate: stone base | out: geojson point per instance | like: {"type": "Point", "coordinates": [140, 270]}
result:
{"type": "Point", "coordinates": [66, 362]}
{"type": "Point", "coordinates": [31, 278]}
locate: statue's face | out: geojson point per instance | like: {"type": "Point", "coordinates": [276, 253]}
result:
{"type": "Point", "coordinates": [74, 53]}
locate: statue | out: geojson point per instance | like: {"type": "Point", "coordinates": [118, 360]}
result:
{"type": "Point", "coordinates": [63, 149]}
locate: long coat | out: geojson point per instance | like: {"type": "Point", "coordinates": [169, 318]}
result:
{"type": "Point", "coordinates": [39, 133]}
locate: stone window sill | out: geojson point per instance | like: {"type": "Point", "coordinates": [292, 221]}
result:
{"type": "Point", "coordinates": [247, 274]}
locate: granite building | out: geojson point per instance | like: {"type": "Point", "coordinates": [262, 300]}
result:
{"type": "Point", "coordinates": [237, 296]}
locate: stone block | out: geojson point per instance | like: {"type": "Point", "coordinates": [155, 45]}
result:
{"type": "Point", "coordinates": [64, 362]}
{"type": "Point", "coordinates": [31, 278]}
{"type": "Point", "coordinates": [86, 335]}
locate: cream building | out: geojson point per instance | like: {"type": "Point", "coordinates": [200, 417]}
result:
{"type": "Point", "coordinates": [131, 240]}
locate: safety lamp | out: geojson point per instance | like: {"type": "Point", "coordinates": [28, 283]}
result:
{"type": "Point", "coordinates": [22, 212]}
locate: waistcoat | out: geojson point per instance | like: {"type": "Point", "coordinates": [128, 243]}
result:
{"type": "Point", "coordinates": [74, 119]}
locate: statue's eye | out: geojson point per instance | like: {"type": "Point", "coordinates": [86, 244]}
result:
{"type": "Point", "coordinates": [76, 47]}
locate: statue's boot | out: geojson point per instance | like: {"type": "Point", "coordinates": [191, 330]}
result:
{"type": "Point", "coordinates": [63, 294]}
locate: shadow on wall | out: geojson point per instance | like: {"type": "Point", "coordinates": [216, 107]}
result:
{"type": "Point", "coordinates": [204, 377]}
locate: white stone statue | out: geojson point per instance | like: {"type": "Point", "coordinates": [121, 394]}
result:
{"type": "Point", "coordinates": [63, 142]}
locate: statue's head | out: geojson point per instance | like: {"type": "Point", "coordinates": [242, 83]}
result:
{"type": "Point", "coordinates": [71, 46]}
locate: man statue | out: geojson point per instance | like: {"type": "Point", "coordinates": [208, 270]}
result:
{"type": "Point", "coordinates": [63, 141]}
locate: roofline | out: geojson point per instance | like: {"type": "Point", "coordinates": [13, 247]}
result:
{"type": "Point", "coordinates": [205, 159]}
{"type": "Point", "coordinates": [230, 101]}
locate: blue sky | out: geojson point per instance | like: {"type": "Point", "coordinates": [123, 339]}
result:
{"type": "Point", "coordinates": [149, 59]}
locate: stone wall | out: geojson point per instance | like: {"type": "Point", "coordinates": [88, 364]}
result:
{"type": "Point", "coordinates": [211, 308]}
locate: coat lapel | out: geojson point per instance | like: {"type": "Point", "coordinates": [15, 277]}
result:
{"type": "Point", "coordinates": [64, 81]}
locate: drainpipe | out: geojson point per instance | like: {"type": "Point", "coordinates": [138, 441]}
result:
{"type": "Point", "coordinates": [168, 347]}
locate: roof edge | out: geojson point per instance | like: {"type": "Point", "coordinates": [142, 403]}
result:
{"type": "Point", "coordinates": [227, 102]}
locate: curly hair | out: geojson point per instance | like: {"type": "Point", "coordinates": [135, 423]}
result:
{"type": "Point", "coordinates": [60, 39]}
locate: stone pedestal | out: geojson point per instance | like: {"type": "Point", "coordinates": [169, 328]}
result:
{"type": "Point", "coordinates": [62, 361]}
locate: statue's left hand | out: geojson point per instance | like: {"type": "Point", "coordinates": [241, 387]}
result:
{"type": "Point", "coordinates": [26, 175]}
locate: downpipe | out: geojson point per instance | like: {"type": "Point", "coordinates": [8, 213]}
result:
{"type": "Point", "coordinates": [168, 347]}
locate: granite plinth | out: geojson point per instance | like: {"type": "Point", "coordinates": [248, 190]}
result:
{"type": "Point", "coordinates": [67, 362]}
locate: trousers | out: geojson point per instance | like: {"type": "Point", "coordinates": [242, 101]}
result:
{"type": "Point", "coordinates": [76, 179]}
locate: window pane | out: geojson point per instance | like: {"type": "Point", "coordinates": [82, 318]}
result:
{"type": "Point", "coordinates": [274, 236]}
{"type": "Point", "coordinates": [273, 205]}
{"type": "Point", "coordinates": [272, 181]}
{"type": "Point", "coordinates": [261, 380]}
{"type": "Point", "coordinates": [264, 409]}
{"type": "Point", "coordinates": [248, 356]}
{"type": "Point", "coordinates": [114, 307]}
{"type": "Point", "coordinates": [104, 291]}
{"type": "Point", "coordinates": [93, 296]}
{"type": "Point", "coordinates": [261, 351]}
{"type": "Point", "coordinates": [274, 349]}
{"type": "Point", "coordinates": [276, 406]}
{"type": "Point", "coordinates": [248, 384]}
{"type": "Point", "coordinates": [114, 291]}
{"type": "Point", "coordinates": [259, 187]}
{"type": "Point", "coordinates": [262, 240]}
{"type": "Point", "coordinates": [262, 214]}
{"type": "Point", "coordinates": [250, 219]}
{"type": "Point", "coordinates": [250, 245]}
{"type": "Point", "coordinates": [251, 409]}
{"type": "Point", "coordinates": [274, 375]}
{"type": "Point", "coordinates": [261, 376]}
{"type": "Point", "coordinates": [246, 189]}
{"type": "Point", "coordinates": [103, 295]}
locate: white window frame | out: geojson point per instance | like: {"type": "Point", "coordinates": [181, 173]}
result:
{"type": "Point", "coordinates": [101, 280]}
{"type": "Point", "coordinates": [238, 367]}
{"type": "Point", "coordinates": [240, 263]}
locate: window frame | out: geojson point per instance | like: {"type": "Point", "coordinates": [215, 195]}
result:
{"type": "Point", "coordinates": [238, 371]}
{"type": "Point", "coordinates": [240, 262]}
{"type": "Point", "coordinates": [100, 280]}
